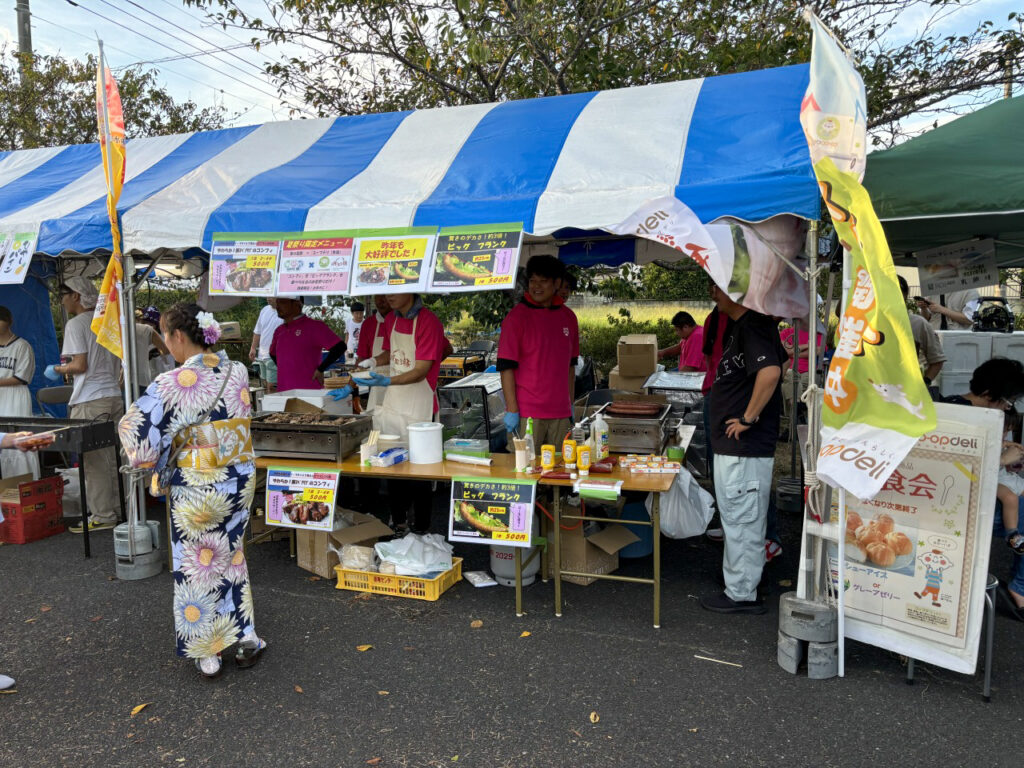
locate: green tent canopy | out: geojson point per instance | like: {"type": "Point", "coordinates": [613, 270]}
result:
{"type": "Point", "coordinates": [957, 182]}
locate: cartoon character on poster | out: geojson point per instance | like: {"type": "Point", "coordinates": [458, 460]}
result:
{"type": "Point", "coordinates": [935, 564]}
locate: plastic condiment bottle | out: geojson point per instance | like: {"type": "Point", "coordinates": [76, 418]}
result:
{"type": "Point", "coordinates": [583, 459]}
{"type": "Point", "coordinates": [531, 446]}
{"type": "Point", "coordinates": [600, 434]}
{"type": "Point", "coordinates": [569, 453]}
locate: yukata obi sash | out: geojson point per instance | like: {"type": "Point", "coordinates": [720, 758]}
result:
{"type": "Point", "coordinates": [216, 444]}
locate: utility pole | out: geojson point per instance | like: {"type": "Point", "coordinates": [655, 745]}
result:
{"type": "Point", "coordinates": [24, 31]}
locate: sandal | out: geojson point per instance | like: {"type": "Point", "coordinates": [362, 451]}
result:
{"type": "Point", "coordinates": [210, 675]}
{"type": "Point", "coordinates": [1015, 541]}
{"type": "Point", "coordinates": [248, 655]}
{"type": "Point", "coordinates": [1008, 603]}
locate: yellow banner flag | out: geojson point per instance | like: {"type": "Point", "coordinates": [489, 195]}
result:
{"type": "Point", "coordinates": [876, 403]}
{"type": "Point", "coordinates": [106, 321]}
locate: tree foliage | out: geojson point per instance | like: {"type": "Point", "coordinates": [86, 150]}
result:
{"type": "Point", "coordinates": [354, 56]}
{"type": "Point", "coordinates": [54, 103]}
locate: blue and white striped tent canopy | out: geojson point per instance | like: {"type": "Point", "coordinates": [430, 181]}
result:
{"type": "Point", "coordinates": [726, 146]}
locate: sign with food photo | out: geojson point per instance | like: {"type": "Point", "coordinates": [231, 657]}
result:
{"type": "Point", "coordinates": [394, 261]}
{"type": "Point", "coordinates": [916, 554]}
{"type": "Point", "coordinates": [301, 498]}
{"type": "Point", "coordinates": [315, 263]}
{"type": "Point", "coordinates": [492, 510]}
{"type": "Point", "coordinates": [476, 258]}
{"type": "Point", "coordinates": [243, 267]}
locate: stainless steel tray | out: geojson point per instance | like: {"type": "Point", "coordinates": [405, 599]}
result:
{"type": "Point", "coordinates": [317, 442]}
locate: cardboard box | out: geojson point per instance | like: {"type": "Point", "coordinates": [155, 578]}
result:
{"type": "Point", "coordinates": [31, 508]}
{"type": "Point", "coordinates": [628, 383]}
{"type": "Point", "coordinates": [311, 550]}
{"type": "Point", "coordinates": [637, 354]}
{"type": "Point", "coordinates": [597, 553]}
{"type": "Point", "coordinates": [22, 489]}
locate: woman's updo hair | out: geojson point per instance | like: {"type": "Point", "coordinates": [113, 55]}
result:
{"type": "Point", "coordinates": [184, 317]}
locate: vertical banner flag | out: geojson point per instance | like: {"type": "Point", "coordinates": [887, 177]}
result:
{"type": "Point", "coordinates": [106, 321]}
{"type": "Point", "coordinates": [876, 401]}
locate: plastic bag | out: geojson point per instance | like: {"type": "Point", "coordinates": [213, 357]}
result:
{"type": "Point", "coordinates": [357, 558]}
{"type": "Point", "coordinates": [416, 554]}
{"type": "Point", "coordinates": [686, 509]}
{"type": "Point", "coordinates": [72, 501]}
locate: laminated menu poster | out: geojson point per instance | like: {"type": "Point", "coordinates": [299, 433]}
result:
{"type": "Point", "coordinates": [491, 510]}
{"type": "Point", "coordinates": [476, 258]}
{"type": "Point", "coordinates": [917, 554]}
{"type": "Point", "coordinates": [244, 265]}
{"type": "Point", "coordinates": [315, 263]}
{"type": "Point", "coordinates": [392, 261]}
{"type": "Point", "coordinates": [16, 249]}
{"type": "Point", "coordinates": [301, 498]}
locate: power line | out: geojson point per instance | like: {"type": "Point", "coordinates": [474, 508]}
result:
{"type": "Point", "coordinates": [164, 45]}
{"type": "Point", "coordinates": [193, 34]}
{"type": "Point", "coordinates": [178, 58]}
{"type": "Point", "coordinates": [63, 28]}
{"type": "Point", "coordinates": [185, 42]}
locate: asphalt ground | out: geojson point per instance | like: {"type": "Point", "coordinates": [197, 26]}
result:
{"type": "Point", "coordinates": [597, 687]}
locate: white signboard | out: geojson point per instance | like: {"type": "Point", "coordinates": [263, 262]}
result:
{"type": "Point", "coordinates": [958, 267]}
{"type": "Point", "coordinates": [917, 553]}
{"type": "Point", "coordinates": [16, 249]}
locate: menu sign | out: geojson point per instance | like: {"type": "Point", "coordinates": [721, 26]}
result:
{"type": "Point", "coordinates": [243, 267]}
{"type": "Point", "coordinates": [301, 498]}
{"type": "Point", "coordinates": [393, 262]}
{"type": "Point", "coordinates": [916, 555]}
{"type": "Point", "coordinates": [315, 262]}
{"type": "Point", "coordinates": [485, 511]}
{"type": "Point", "coordinates": [16, 249]}
{"type": "Point", "coordinates": [958, 267]}
{"type": "Point", "coordinates": [476, 258]}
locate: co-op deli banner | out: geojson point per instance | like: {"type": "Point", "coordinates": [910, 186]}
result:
{"type": "Point", "coordinates": [756, 264]}
{"type": "Point", "coordinates": [876, 402]}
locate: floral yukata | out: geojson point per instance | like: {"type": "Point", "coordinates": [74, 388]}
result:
{"type": "Point", "coordinates": [211, 492]}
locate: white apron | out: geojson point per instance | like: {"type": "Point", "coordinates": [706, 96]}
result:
{"type": "Point", "coordinates": [403, 404]}
{"type": "Point", "coordinates": [17, 359]}
{"type": "Point", "coordinates": [376, 397]}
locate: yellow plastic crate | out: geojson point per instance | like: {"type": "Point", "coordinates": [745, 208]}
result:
{"type": "Point", "coordinates": [399, 586]}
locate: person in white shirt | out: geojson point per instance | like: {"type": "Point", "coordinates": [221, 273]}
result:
{"type": "Point", "coordinates": [354, 325]}
{"type": "Point", "coordinates": [146, 339]}
{"type": "Point", "coordinates": [17, 366]}
{"type": "Point", "coordinates": [95, 395]}
{"type": "Point", "coordinates": [950, 311]}
{"type": "Point", "coordinates": [262, 336]}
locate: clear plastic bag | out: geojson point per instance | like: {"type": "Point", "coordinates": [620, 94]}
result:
{"type": "Point", "coordinates": [686, 509]}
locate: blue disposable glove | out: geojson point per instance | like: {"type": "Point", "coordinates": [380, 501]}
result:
{"type": "Point", "coordinates": [51, 373]}
{"type": "Point", "coordinates": [511, 422]}
{"type": "Point", "coordinates": [375, 380]}
{"type": "Point", "coordinates": [342, 393]}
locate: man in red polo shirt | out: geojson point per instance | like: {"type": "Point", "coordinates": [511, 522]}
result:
{"type": "Point", "coordinates": [298, 347]}
{"type": "Point", "coordinates": [537, 351]}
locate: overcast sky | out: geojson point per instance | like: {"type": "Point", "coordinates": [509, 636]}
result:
{"type": "Point", "coordinates": [159, 29]}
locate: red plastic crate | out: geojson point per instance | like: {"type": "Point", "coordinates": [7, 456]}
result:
{"type": "Point", "coordinates": [24, 523]}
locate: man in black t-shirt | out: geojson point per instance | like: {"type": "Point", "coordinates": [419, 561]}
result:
{"type": "Point", "coordinates": [745, 406]}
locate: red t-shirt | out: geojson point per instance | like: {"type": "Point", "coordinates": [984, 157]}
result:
{"type": "Point", "coordinates": [543, 342]}
{"type": "Point", "coordinates": [431, 343]}
{"type": "Point", "coordinates": [298, 348]}
{"type": "Point", "coordinates": [802, 362]}
{"type": "Point", "coordinates": [713, 346]}
{"type": "Point", "coordinates": [371, 329]}
{"type": "Point", "coordinates": [692, 354]}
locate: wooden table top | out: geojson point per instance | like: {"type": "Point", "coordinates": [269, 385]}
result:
{"type": "Point", "coordinates": [502, 466]}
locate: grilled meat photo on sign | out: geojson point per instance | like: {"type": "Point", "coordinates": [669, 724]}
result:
{"type": "Point", "coordinates": [306, 511]}
{"type": "Point", "coordinates": [373, 275]}
{"type": "Point", "coordinates": [467, 270]}
{"type": "Point", "coordinates": [406, 271]}
{"type": "Point", "coordinates": [243, 279]}
{"type": "Point", "coordinates": [477, 519]}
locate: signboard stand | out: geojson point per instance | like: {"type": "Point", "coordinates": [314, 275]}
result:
{"type": "Point", "coordinates": [909, 568]}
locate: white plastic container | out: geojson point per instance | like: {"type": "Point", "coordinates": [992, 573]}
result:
{"type": "Point", "coordinates": [599, 433]}
{"type": "Point", "coordinates": [425, 442]}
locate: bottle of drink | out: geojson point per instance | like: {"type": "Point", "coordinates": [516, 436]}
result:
{"type": "Point", "coordinates": [531, 446]}
{"type": "Point", "coordinates": [600, 433]}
